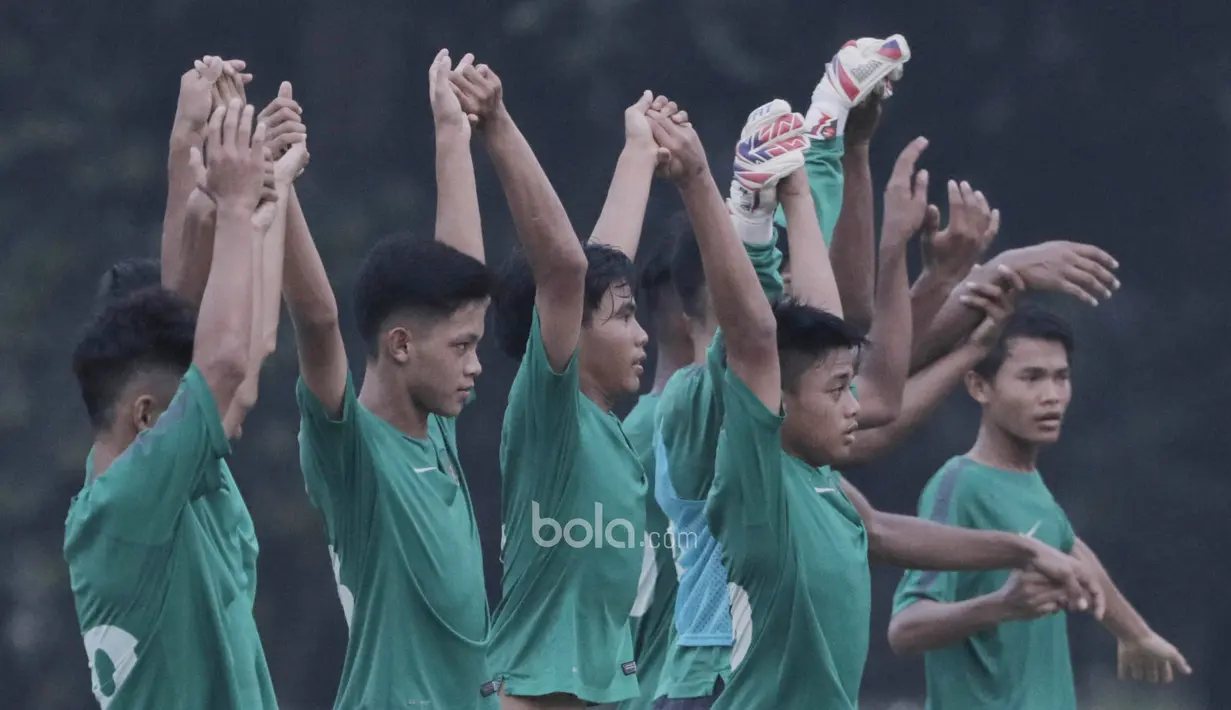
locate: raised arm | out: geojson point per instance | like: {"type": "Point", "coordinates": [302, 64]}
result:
{"type": "Point", "coordinates": [552, 248]}
{"type": "Point", "coordinates": [619, 224]}
{"type": "Point", "coordinates": [742, 311]}
{"type": "Point", "coordinates": [186, 244]}
{"type": "Point", "coordinates": [458, 222]}
{"type": "Point", "coordinates": [926, 389]}
{"type": "Point", "coordinates": [1080, 270]}
{"type": "Point", "coordinates": [233, 180]}
{"type": "Point", "coordinates": [1141, 653]}
{"type": "Point", "coordinates": [813, 281]}
{"type": "Point", "coordinates": [886, 362]}
{"type": "Point", "coordinates": [852, 249]}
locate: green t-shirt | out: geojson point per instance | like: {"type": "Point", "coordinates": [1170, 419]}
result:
{"type": "Point", "coordinates": [406, 557]}
{"type": "Point", "coordinates": [655, 606]}
{"type": "Point", "coordinates": [162, 561]}
{"type": "Point", "coordinates": [796, 552]}
{"type": "Point", "coordinates": [1018, 665]}
{"type": "Point", "coordinates": [573, 508]}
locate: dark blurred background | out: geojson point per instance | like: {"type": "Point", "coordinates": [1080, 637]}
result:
{"type": "Point", "coordinates": [1097, 122]}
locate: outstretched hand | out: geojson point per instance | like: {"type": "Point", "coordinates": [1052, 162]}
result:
{"type": "Point", "coordinates": [446, 107]}
{"type": "Point", "coordinates": [906, 195]}
{"type": "Point", "coordinates": [951, 252]}
{"type": "Point", "coordinates": [1151, 659]}
{"type": "Point", "coordinates": [479, 91]}
{"type": "Point", "coordinates": [1080, 270]}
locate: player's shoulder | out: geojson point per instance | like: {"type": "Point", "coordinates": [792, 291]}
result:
{"type": "Point", "coordinates": [683, 389]}
{"type": "Point", "coordinates": [951, 480]}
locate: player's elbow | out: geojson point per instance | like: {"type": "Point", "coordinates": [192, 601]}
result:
{"type": "Point", "coordinates": [904, 638]}
{"type": "Point", "coordinates": [877, 408]}
{"type": "Point", "coordinates": [224, 364]}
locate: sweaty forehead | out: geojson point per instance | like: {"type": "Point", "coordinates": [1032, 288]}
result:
{"type": "Point", "coordinates": [1034, 352]}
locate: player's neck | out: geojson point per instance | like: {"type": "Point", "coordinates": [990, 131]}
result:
{"type": "Point", "coordinates": [594, 392]}
{"type": "Point", "coordinates": [388, 399]}
{"type": "Point", "coordinates": [997, 448]}
{"type": "Point", "coordinates": [106, 450]}
{"type": "Point", "coordinates": [672, 357]}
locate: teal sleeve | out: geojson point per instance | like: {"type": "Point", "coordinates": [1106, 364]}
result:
{"type": "Point", "coordinates": [940, 503]}
{"type": "Point", "coordinates": [823, 161]}
{"type": "Point", "coordinates": [143, 493]}
{"type": "Point", "coordinates": [1068, 536]}
{"type": "Point", "coordinates": [767, 261]}
{"type": "Point", "coordinates": [541, 433]}
{"type": "Point", "coordinates": [329, 454]}
{"type": "Point", "coordinates": [747, 494]}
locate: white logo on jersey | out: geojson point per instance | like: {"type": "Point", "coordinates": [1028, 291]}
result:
{"type": "Point", "coordinates": [120, 649]}
{"type": "Point", "coordinates": [344, 595]}
{"type": "Point", "coordinates": [649, 576]}
{"type": "Point", "coordinates": [1034, 529]}
{"type": "Point", "coordinates": [825, 490]}
{"type": "Point", "coordinates": [741, 623]}
{"type": "Point", "coordinates": [423, 470]}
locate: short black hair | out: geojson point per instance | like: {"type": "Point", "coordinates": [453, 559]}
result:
{"type": "Point", "coordinates": [514, 299]}
{"type": "Point", "coordinates": [149, 329]}
{"type": "Point", "coordinates": [1028, 321]}
{"type": "Point", "coordinates": [127, 276]}
{"type": "Point", "coordinates": [422, 277]}
{"type": "Point", "coordinates": [688, 275]}
{"type": "Point", "coordinates": [807, 334]}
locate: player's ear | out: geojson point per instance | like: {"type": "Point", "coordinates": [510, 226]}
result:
{"type": "Point", "coordinates": [397, 344]}
{"type": "Point", "coordinates": [144, 413]}
{"type": "Point", "coordinates": [976, 387]}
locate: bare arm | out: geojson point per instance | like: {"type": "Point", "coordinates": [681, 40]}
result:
{"type": "Point", "coordinates": [814, 281]}
{"type": "Point", "coordinates": [886, 364]}
{"type": "Point", "coordinates": [186, 258]}
{"type": "Point", "coordinates": [552, 248]}
{"type": "Point", "coordinates": [619, 224]}
{"type": "Point", "coordinates": [915, 543]}
{"type": "Point", "coordinates": [1121, 619]}
{"type": "Point", "coordinates": [458, 221]}
{"type": "Point", "coordinates": [224, 324]}
{"type": "Point", "coordinates": [740, 306]}
{"type": "Point", "coordinates": [853, 248]}
{"type": "Point", "coordinates": [314, 313]}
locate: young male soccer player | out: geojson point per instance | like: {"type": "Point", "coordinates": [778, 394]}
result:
{"type": "Point", "coordinates": [157, 558]}
{"type": "Point", "coordinates": [998, 639]}
{"type": "Point", "coordinates": [561, 634]}
{"type": "Point", "coordinates": [382, 464]}
{"type": "Point", "coordinates": [674, 288]}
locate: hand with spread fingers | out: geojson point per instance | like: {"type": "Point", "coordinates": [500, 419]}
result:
{"type": "Point", "coordinates": [232, 171]}
{"type": "Point", "coordinates": [1083, 271]}
{"type": "Point", "coordinates": [953, 251]}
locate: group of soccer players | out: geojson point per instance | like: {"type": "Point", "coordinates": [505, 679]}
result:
{"type": "Point", "coordinates": [772, 374]}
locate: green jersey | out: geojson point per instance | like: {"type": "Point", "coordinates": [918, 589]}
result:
{"type": "Point", "coordinates": [797, 554]}
{"type": "Point", "coordinates": [1018, 665]}
{"type": "Point", "coordinates": [406, 557]}
{"type": "Point", "coordinates": [573, 507]}
{"type": "Point", "coordinates": [655, 605]}
{"type": "Point", "coordinates": [162, 560]}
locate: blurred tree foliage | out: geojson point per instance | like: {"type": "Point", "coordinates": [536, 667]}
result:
{"type": "Point", "coordinates": [1105, 124]}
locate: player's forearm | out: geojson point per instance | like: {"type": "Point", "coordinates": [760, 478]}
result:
{"type": "Point", "coordinates": [927, 295]}
{"type": "Point", "coordinates": [305, 284]}
{"type": "Point", "coordinates": [458, 222]}
{"type": "Point", "coordinates": [619, 224]}
{"type": "Point", "coordinates": [852, 250]}
{"type": "Point", "coordinates": [551, 245]}
{"type": "Point", "coordinates": [186, 245]}
{"type": "Point", "coordinates": [927, 625]}
{"type": "Point", "coordinates": [882, 379]}
{"type": "Point", "coordinates": [813, 281]}
{"type": "Point", "coordinates": [246, 395]}
{"type": "Point", "coordinates": [924, 391]}
{"type": "Point", "coordinates": [1120, 618]}
{"type": "Point", "coordinates": [224, 325]}
{"type": "Point", "coordinates": [915, 543]}
{"type": "Point", "coordinates": [953, 323]}
{"type": "Point", "coordinates": [740, 306]}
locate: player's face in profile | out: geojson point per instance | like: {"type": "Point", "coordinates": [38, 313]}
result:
{"type": "Point", "coordinates": [1031, 391]}
{"type": "Point", "coordinates": [613, 343]}
{"type": "Point", "coordinates": [822, 414]}
{"type": "Point", "coordinates": [445, 360]}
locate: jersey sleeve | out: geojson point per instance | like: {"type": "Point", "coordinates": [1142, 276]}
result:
{"type": "Point", "coordinates": [748, 488]}
{"type": "Point", "coordinates": [165, 468]}
{"type": "Point", "coordinates": [941, 503]}
{"type": "Point", "coordinates": [1068, 536]}
{"type": "Point", "coordinates": [541, 426]}
{"type": "Point", "coordinates": [689, 420]}
{"type": "Point", "coordinates": [823, 161]}
{"type": "Point", "coordinates": [329, 451]}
